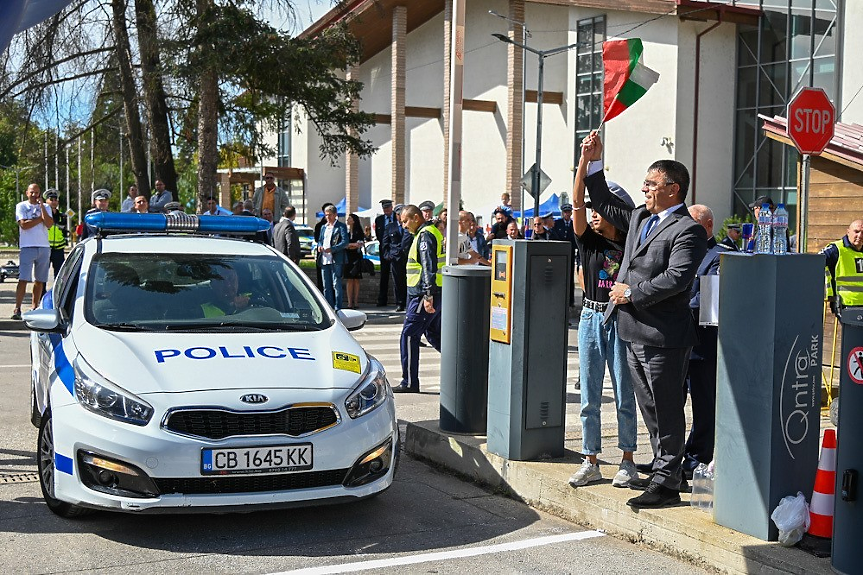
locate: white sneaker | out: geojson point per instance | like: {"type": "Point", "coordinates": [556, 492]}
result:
{"type": "Point", "coordinates": [588, 473]}
{"type": "Point", "coordinates": [625, 473]}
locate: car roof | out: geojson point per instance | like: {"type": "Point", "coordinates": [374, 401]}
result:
{"type": "Point", "coordinates": [178, 243]}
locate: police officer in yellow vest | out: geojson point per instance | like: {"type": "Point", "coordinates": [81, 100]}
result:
{"type": "Point", "coordinates": [57, 234]}
{"type": "Point", "coordinates": [424, 281]}
{"type": "Point", "coordinates": [845, 267]}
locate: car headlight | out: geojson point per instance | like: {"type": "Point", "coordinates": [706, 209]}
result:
{"type": "Point", "coordinates": [102, 397]}
{"type": "Point", "coordinates": [371, 391]}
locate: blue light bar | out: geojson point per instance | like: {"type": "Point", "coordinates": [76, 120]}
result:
{"type": "Point", "coordinates": [176, 222]}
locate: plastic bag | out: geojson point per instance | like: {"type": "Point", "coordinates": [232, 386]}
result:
{"type": "Point", "coordinates": [791, 516]}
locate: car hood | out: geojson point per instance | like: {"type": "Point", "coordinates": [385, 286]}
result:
{"type": "Point", "coordinates": [144, 362]}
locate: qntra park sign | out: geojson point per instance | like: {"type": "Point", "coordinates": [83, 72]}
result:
{"type": "Point", "coordinates": [811, 119]}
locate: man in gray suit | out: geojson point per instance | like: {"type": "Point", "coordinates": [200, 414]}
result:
{"type": "Point", "coordinates": [285, 238]}
{"type": "Point", "coordinates": [664, 246]}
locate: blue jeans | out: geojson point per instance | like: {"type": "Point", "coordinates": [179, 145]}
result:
{"type": "Point", "coordinates": [332, 276]}
{"type": "Point", "coordinates": [598, 345]}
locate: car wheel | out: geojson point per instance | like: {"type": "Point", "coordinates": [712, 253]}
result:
{"type": "Point", "coordinates": [45, 464]}
{"type": "Point", "coordinates": [35, 416]}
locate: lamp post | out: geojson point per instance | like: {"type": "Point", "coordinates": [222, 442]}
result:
{"type": "Point", "coordinates": [525, 34]}
{"type": "Point", "coordinates": [541, 55]}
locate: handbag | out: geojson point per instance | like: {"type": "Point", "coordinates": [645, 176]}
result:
{"type": "Point", "coordinates": [367, 266]}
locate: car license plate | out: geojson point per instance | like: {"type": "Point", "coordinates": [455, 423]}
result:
{"type": "Point", "coordinates": [269, 459]}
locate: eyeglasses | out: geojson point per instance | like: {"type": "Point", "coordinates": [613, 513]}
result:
{"type": "Point", "coordinates": [653, 186]}
{"type": "Point", "coordinates": [269, 178]}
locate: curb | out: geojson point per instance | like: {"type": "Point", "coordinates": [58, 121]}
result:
{"type": "Point", "coordinates": [679, 531]}
{"type": "Point", "coordinates": [12, 325]}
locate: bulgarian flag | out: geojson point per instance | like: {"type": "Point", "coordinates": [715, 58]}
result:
{"type": "Point", "coordinates": [626, 77]}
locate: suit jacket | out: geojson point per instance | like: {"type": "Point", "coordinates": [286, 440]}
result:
{"type": "Point", "coordinates": [705, 349]}
{"type": "Point", "coordinates": [391, 245]}
{"type": "Point", "coordinates": [565, 233]}
{"type": "Point", "coordinates": [286, 240]}
{"type": "Point", "coordinates": [338, 243]}
{"type": "Point", "coordinates": [380, 226]}
{"type": "Point", "coordinates": [659, 271]}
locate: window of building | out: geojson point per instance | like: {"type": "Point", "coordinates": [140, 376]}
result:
{"type": "Point", "coordinates": [794, 46]}
{"type": "Point", "coordinates": [588, 78]}
{"type": "Point", "coordinates": [283, 153]}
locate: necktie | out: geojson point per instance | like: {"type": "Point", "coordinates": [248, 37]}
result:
{"type": "Point", "coordinates": [648, 227]}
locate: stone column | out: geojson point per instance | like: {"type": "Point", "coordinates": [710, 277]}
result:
{"type": "Point", "coordinates": [225, 190]}
{"type": "Point", "coordinates": [515, 105]}
{"type": "Point", "coordinates": [397, 111]}
{"type": "Point", "coordinates": [447, 65]}
{"type": "Point", "coordinates": [352, 177]}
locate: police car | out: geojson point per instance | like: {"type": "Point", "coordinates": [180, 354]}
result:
{"type": "Point", "coordinates": [178, 371]}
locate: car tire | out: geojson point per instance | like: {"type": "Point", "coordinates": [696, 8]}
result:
{"type": "Point", "coordinates": [45, 465]}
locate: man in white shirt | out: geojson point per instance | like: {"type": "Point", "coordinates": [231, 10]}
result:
{"type": "Point", "coordinates": [160, 197]}
{"type": "Point", "coordinates": [128, 204]}
{"type": "Point", "coordinates": [34, 219]}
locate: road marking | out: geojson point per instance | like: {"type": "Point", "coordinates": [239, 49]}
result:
{"type": "Point", "coordinates": [10, 366]}
{"type": "Point", "coordinates": [442, 555]}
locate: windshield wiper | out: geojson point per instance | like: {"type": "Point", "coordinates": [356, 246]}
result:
{"type": "Point", "coordinates": [122, 327]}
{"type": "Point", "coordinates": [239, 326]}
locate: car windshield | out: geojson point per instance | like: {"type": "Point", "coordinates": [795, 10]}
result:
{"type": "Point", "coordinates": [306, 233]}
{"type": "Point", "coordinates": [139, 291]}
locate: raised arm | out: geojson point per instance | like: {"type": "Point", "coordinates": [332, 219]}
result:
{"type": "Point", "coordinates": [579, 218]}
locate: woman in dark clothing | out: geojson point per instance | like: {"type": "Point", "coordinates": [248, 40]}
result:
{"type": "Point", "coordinates": [352, 270]}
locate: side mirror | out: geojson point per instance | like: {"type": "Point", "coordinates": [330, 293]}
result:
{"type": "Point", "coordinates": [352, 319]}
{"type": "Point", "coordinates": [44, 320]}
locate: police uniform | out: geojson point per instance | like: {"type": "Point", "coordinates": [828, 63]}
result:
{"type": "Point", "coordinates": [565, 232]}
{"type": "Point", "coordinates": [87, 231]}
{"type": "Point", "coordinates": [844, 274]}
{"type": "Point", "coordinates": [395, 254]}
{"type": "Point", "coordinates": [57, 238]}
{"type": "Point", "coordinates": [424, 281]}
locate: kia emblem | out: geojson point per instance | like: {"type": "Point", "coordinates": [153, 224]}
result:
{"type": "Point", "coordinates": [254, 398]}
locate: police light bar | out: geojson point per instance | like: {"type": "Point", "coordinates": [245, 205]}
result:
{"type": "Point", "coordinates": [176, 222]}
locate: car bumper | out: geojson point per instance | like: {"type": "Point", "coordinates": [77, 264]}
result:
{"type": "Point", "coordinates": [173, 464]}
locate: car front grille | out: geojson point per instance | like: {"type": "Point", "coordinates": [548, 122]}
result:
{"type": "Point", "coordinates": [210, 423]}
{"type": "Point", "coordinates": [250, 483]}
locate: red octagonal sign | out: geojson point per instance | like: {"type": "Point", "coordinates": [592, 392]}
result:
{"type": "Point", "coordinates": [811, 117]}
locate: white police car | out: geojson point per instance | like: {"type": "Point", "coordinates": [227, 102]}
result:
{"type": "Point", "coordinates": [180, 372]}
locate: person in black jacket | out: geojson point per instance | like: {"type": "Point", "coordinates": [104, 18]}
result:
{"type": "Point", "coordinates": [564, 230]}
{"type": "Point", "coordinates": [394, 250]}
{"type": "Point", "coordinates": [381, 223]}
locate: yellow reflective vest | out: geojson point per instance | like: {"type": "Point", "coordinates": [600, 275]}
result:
{"type": "Point", "coordinates": [414, 268]}
{"type": "Point", "coordinates": [848, 276]}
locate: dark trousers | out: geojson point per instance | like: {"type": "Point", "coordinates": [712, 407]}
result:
{"type": "Point", "coordinates": [658, 375]}
{"type": "Point", "coordinates": [318, 277]}
{"type": "Point", "coordinates": [418, 322]}
{"type": "Point", "coordinates": [384, 288]}
{"type": "Point", "coordinates": [701, 382]}
{"type": "Point", "coordinates": [58, 256]}
{"type": "Point", "coordinates": [399, 270]}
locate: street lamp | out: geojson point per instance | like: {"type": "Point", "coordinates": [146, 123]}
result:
{"type": "Point", "coordinates": [525, 34]}
{"type": "Point", "coordinates": [541, 55]}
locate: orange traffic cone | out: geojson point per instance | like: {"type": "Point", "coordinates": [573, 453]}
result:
{"type": "Point", "coordinates": [821, 507]}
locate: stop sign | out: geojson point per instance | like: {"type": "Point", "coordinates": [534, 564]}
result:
{"type": "Point", "coordinates": [810, 121]}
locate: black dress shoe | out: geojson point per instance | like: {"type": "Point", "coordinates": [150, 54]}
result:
{"type": "Point", "coordinates": [654, 497]}
{"type": "Point", "coordinates": [400, 308]}
{"type": "Point", "coordinates": [642, 483]}
{"type": "Point", "coordinates": [405, 389]}
{"type": "Point", "coordinates": [644, 467]}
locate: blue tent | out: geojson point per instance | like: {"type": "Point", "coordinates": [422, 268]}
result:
{"type": "Point", "coordinates": [552, 204]}
{"type": "Point", "coordinates": [340, 209]}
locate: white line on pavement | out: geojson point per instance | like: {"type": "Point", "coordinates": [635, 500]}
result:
{"type": "Point", "coordinates": [442, 555]}
{"type": "Point", "coordinates": [9, 366]}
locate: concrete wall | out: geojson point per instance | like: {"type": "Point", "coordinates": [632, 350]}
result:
{"type": "Point", "coordinates": [851, 72]}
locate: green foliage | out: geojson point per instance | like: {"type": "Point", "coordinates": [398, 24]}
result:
{"type": "Point", "coordinates": [734, 219]}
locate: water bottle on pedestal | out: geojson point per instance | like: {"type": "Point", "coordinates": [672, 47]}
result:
{"type": "Point", "coordinates": [764, 240]}
{"type": "Point", "coordinates": [780, 230]}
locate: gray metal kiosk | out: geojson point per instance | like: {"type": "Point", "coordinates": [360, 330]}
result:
{"type": "Point", "coordinates": [527, 353]}
{"type": "Point", "coordinates": [847, 511]}
{"type": "Point", "coordinates": [464, 349]}
{"type": "Point", "coordinates": [768, 396]}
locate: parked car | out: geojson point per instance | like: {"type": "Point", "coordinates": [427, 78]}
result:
{"type": "Point", "coordinates": [373, 253]}
{"type": "Point", "coordinates": [8, 270]}
{"type": "Point", "coordinates": [307, 239]}
{"type": "Point", "coordinates": [181, 371]}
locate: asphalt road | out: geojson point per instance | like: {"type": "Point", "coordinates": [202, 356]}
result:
{"type": "Point", "coordinates": [428, 522]}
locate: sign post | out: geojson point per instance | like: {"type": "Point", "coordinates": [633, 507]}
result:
{"type": "Point", "coordinates": [811, 120]}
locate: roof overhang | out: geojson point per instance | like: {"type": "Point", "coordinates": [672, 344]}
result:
{"type": "Point", "coordinates": [703, 11]}
{"type": "Point", "coordinates": [845, 148]}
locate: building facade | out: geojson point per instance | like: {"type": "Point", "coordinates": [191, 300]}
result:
{"type": "Point", "coordinates": [720, 64]}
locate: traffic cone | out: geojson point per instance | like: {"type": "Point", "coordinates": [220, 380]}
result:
{"type": "Point", "coordinates": [821, 507]}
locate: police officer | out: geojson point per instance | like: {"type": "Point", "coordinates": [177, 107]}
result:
{"type": "Point", "coordinates": [565, 232]}
{"type": "Point", "coordinates": [395, 254]}
{"type": "Point", "coordinates": [424, 281]}
{"type": "Point", "coordinates": [845, 266]}
{"type": "Point", "coordinates": [57, 234]}
{"type": "Point", "coordinates": [100, 200]}
{"type": "Point", "coordinates": [381, 223]}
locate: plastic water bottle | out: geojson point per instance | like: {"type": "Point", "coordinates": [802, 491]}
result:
{"type": "Point", "coordinates": [764, 241]}
{"type": "Point", "coordinates": [702, 488]}
{"type": "Point", "coordinates": [780, 230]}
